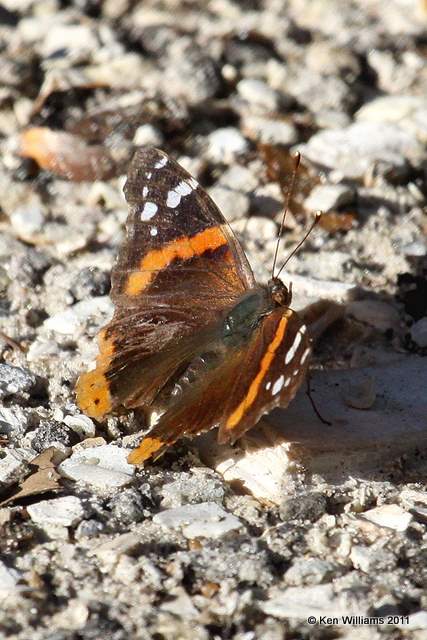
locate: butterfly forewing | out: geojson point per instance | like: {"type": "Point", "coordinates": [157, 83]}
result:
{"type": "Point", "coordinates": [179, 268]}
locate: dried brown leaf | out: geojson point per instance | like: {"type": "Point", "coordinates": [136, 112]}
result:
{"type": "Point", "coordinates": [67, 155]}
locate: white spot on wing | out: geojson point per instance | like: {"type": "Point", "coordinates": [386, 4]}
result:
{"type": "Point", "coordinates": [278, 385]}
{"type": "Point", "coordinates": [305, 355]}
{"type": "Point", "coordinates": [287, 382]}
{"type": "Point", "coordinates": [268, 385]}
{"type": "Point", "coordinates": [173, 199]}
{"type": "Point", "coordinates": [145, 192]}
{"type": "Point", "coordinates": [161, 163]}
{"type": "Point", "coordinates": [303, 329]}
{"type": "Point", "coordinates": [183, 188]}
{"type": "Point", "coordinates": [290, 354]}
{"type": "Point", "coordinates": [149, 210]}
{"type": "Point", "coordinates": [193, 183]}
{"type": "Point", "coordinates": [153, 231]}
{"type": "Point", "coordinates": [148, 175]}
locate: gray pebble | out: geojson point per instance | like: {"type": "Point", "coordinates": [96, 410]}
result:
{"type": "Point", "coordinates": [418, 332]}
{"type": "Point", "coordinates": [232, 204]}
{"type": "Point", "coordinates": [16, 381]}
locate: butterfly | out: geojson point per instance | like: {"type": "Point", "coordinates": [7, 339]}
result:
{"type": "Point", "coordinates": [195, 342]}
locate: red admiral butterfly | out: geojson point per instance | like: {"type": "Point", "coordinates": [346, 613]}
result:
{"type": "Point", "coordinates": [194, 338]}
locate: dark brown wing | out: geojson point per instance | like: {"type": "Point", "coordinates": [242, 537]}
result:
{"type": "Point", "coordinates": [178, 269]}
{"type": "Point", "coordinates": [248, 382]}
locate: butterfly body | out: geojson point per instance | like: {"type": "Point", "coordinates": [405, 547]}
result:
{"type": "Point", "coordinates": [194, 340]}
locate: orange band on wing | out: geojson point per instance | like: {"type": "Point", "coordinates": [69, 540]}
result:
{"type": "Point", "coordinates": [92, 389]}
{"type": "Point", "coordinates": [146, 449]}
{"type": "Point", "coordinates": [184, 248]}
{"type": "Point", "coordinates": [251, 395]}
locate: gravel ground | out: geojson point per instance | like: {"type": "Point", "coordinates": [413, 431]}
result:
{"type": "Point", "coordinates": [92, 547]}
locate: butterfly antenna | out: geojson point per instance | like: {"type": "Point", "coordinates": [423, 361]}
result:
{"type": "Point", "coordinates": [287, 203]}
{"type": "Point", "coordinates": [309, 230]}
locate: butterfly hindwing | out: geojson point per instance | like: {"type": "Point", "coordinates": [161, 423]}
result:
{"type": "Point", "coordinates": [250, 381]}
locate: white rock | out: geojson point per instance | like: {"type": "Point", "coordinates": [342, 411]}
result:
{"type": "Point", "coordinates": [12, 465]}
{"type": "Point", "coordinates": [232, 204]}
{"type": "Point", "coordinates": [301, 602]}
{"type": "Point", "coordinates": [376, 313]}
{"type": "Point", "coordinates": [109, 552]}
{"type": "Point", "coordinates": [409, 111]}
{"type": "Point", "coordinates": [42, 349]}
{"type": "Point", "coordinates": [354, 150]}
{"type": "Point", "coordinates": [73, 617]}
{"type": "Point", "coordinates": [206, 519]}
{"type": "Point", "coordinates": [225, 144]}
{"type": "Point", "coordinates": [389, 515]}
{"type": "Point", "coordinates": [81, 424]}
{"type": "Point", "coordinates": [258, 93]}
{"type": "Point", "coordinates": [418, 332]}
{"type": "Point", "coordinates": [66, 511]}
{"type": "Point", "coordinates": [259, 466]}
{"type": "Point", "coordinates": [361, 557]}
{"type": "Point", "coordinates": [103, 467]}
{"type": "Point", "coordinates": [78, 39]}
{"type": "Point", "coordinates": [72, 320]}
{"type": "Point", "coordinates": [308, 571]}
{"type": "Point", "coordinates": [269, 130]}
{"type": "Point", "coordinates": [28, 219]}
{"type": "Point", "coordinates": [326, 197]}
{"type": "Point", "coordinates": [181, 605]}
{"type": "Point", "coordinates": [417, 620]}
{"type": "Point", "coordinates": [8, 581]}
{"type": "Point", "coordinates": [147, 134]}
{"type": "Point", "coordinates": [239, 178]}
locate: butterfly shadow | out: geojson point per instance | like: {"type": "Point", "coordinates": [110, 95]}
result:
{"type": "Point", "coordinates": [384, 440]}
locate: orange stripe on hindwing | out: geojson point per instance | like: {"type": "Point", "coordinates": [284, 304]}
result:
{"type": "Point", "coordinates": [148, 447]}
{"type": "Point", "coordinates": [183, 248]}
{"type": "Point", "coordinates": [266, 361]}
{"type": "Point", "coordinates": [92, 389]}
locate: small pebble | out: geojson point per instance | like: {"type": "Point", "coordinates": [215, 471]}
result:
{"type": "Point", "coordinates": [376, 313]}
{"type": "Point", "coordinates": [206, 519]}
{"type": "Point", "coordinates": [28, 219]}
{"type": "Point", "coordinates": [15, 380]}
{"type": "Point", "coordinates": [389, 515]}
{"type": "Point", "coordinates": [258, 93]}
{"type": "Point", "coordinates": [81, 424]}
{"type": "Point", "coordinates": [418, 332]}
{"type": "Point", "coordinates": [225, 144]}
{"type": "Point", "coordinates": [72, 320]}
{"type": "Point", "coordinates": [103, 467]}
{"type": "Point", "coordinates": [8, 580]}
{"type": "Point", "coordinates": [66, 511]}
{"type": "Point", "coordinates": [328, 197]}
{"type": "Point", "coordinates": [148, 135]}
{"type": "Point", "coordinates": [269, 131]}
{"type": "Point", "coordinates": [360, 394]}
{"type": "Point", "coordinates": [232, 204]}
{"type": "Point", "coordinates": [356, 149]}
